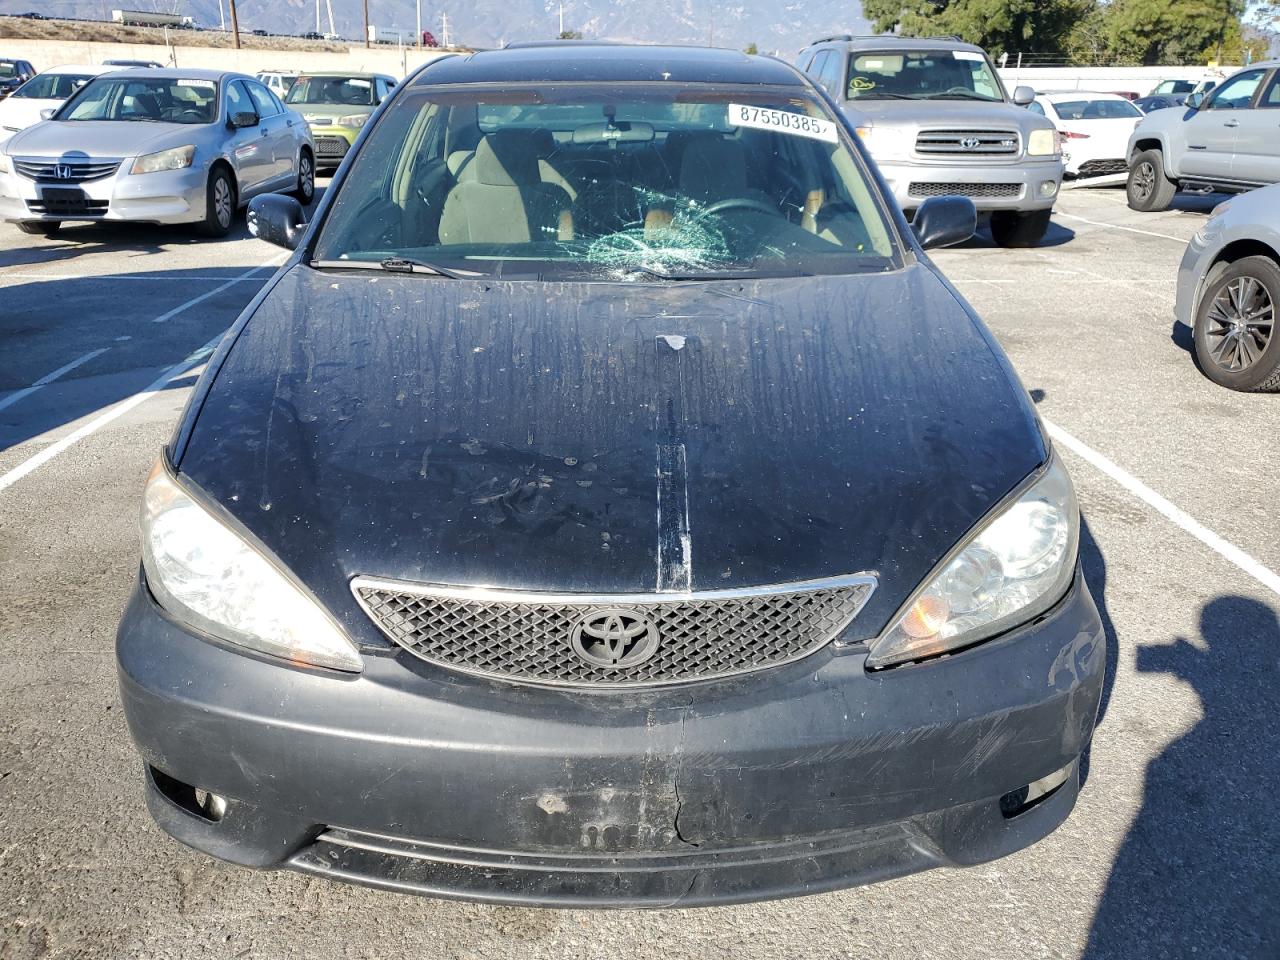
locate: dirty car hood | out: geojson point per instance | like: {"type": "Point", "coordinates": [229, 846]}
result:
{"type": "Point", "coordinates": [943, 114]}
{"type": "Point", "coordinates": [529, 435]}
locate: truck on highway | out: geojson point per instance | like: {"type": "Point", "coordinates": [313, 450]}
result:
{"type": "Point", "coordinates": [145, 18]}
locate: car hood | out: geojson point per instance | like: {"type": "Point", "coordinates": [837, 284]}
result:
{"type": "Point", "coordinates": [22, 112]}
{"type": "Point", "coordinates": [516, 433]}
{"type": "Point", "coordinates": [99, 138]}
{"type": "Point", "coordinates": [943, 114]}
{"type": "Point", "coordinates": [329, 111]}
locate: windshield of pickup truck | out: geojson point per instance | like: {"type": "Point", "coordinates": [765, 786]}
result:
{"type": "Point", "coordinates": [922, 75]}
{"type": "Point", "coordinates": [669, 182]}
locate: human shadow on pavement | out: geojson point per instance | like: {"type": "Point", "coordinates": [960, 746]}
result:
{"type": "Point", "coordinates": [1199, 872]}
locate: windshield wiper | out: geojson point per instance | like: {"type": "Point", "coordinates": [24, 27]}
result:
{"type": "Point", "coordinates": [883, 95]}
{"type": "Point", "coordinates": [394, 265]}
{"type": "Point", "coordinates": [956, 94]}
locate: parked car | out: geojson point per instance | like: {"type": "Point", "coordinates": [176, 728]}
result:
{"type": "Point", "coordinates": [134, 64]}
{"type": "Point", "coordinates": [1225, 140]}
{"type": "Point", "coordinates": [336, 106]}
{"type": "Point", "coordinates": [936, 117]}
{"type": "Point", "coordinates": [419, 612]}
{"type": "Point", "coordinates": [45, 91]}
{"type": "Point", "coordinates": [158, 146]}
{"type": "Point", "coordinates": [1094, 127]}
{"type": "Point", "coordinates": [1162, 101]}
{"type": "Point", "coordinates": [277, 81]}
{"type": "Point", "coordinates": [1228, 289]}
{"type": "Point", "coordinates": [1184, 88]}
{"type": "Point", "coordinates": [13, 74]}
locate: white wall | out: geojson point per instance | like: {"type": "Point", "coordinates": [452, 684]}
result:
{"type": "Point", "coordinates": [1104, 79]}
{"type": "Point", "coordinates": [50, 53]}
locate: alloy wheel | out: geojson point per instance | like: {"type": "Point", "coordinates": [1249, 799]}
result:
{"type": "Point", "coordinates": [222, 201]}
{"type": "Point", "coordinates": [1240, 322]}
{"type": "Point", "coordinates": [306, 177]}
{"type": "Point", "coordinates": [1144, 180]}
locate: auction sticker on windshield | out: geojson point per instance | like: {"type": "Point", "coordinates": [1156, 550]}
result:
{"type": "Point", "coordinates": [796, 124]}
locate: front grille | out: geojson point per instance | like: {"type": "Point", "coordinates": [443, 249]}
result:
{"type": "Point", "coordinates": [976, 190]}
{"type": "Point", "coordinates": [91, 207]}
{"type": "Point", "coordinates": [331, 147]}
{"type": "Point", "coordinates": [530, 636]}
{"type": "Point", "coordinates": [974, 143]}
{"type": "Point", "coordinates": [65, 171]}
{"type": "Point", "coordinates": [1096, 168]}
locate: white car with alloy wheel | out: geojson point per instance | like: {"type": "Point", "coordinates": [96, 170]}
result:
{"type": "Point", "coordinates": [156, 146]}
{"type": "Point", "coordinates": [1094, 128]}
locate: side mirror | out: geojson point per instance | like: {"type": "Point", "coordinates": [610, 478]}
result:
{"type": "Point", "coordinates": [1023, 95]}
{"type": "Point", "coordinates": [239, 121]}
{"type": "Point", "coordinates": [944, 221]}
{"type": "Point", "coordinates": [1194, 101]}
{"type": "Point", "coordinates": [48, 112]}
{"type": "Point", "coordinates": [277, 219]}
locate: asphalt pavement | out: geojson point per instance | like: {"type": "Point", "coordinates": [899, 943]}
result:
{"type": "Point", "coordinates": [1173, 849]}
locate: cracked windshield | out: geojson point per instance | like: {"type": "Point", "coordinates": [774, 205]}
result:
{"type": "Point", "coordinates": [659, 184]}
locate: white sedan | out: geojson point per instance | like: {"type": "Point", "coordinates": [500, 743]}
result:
{"type": "Point", "coordinates": [1094, 128]}
{"type": "Point", "coordinates": [45, 91]}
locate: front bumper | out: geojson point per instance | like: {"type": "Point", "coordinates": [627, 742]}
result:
{"type": "Point", "coordinates": [1015, 186]}
{"type": "Point", "coordinates": [169, 196]}
{"type": "Point", "coordinates": [332, 143]}
{"type": "Point", "coordinates": [809, 777]}
{"type": "Point", "coordinates": [1191, 275]}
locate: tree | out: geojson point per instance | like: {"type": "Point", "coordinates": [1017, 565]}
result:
{"type": "Point", "coordinates": [1154, 32]}
{"type": "Point", "coordinates": [751, 48]}
{"type": "Point", "coordinates": [570, 35]}
{"type": "Point", "coordinates": [1000, 26]}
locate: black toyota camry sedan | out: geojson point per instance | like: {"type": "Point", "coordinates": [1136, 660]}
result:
{"type": "Point", "coordinates": [609, 504]}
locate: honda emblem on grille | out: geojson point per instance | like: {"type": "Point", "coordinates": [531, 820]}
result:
{"type": "Point", "coordinates": [62, 171]}
{"type": "Point", "coordinates": [971, 143]}
{"type": "Point", "coordinates": [614, 638]}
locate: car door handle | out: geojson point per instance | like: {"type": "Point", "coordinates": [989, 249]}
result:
{"type": "Point", "coordinates": [1232, 123]}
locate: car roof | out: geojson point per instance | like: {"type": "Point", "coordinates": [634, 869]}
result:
{"type": "Point", "coordinates": [882, 41]}
{"type": "Point", "coordinates": [593, 61]}
{"type": "Point", "coordinates": [1069, 96]}
{"type": "Point", "coordinates": [92, 68]}
{"type": "Point", "coordinates": [353, 74]}
{"type": "Point", "coordinates": [172, 73]}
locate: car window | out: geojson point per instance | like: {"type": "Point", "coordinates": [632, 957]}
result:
{"type": "Point", "coordinates": [9, 68]}
{"type": "Point", "coordinates": [1270, 99]}
{"type": "Point", "coordinates": [262, 100]}
{"type": "Point", "coordinates": [1035, 107]}
{"type": "Point", "coordinates": [830, 76]}
{"type": "Point", "coordinates": [923, 75]}
{"type": "Point", "coordinates": [554, 181]}
{"type": "Point", "coordinates": [819, 61]}
{"type": "Point", "coordinates": [52, 86]}
{"type": "Point", "coordinates": [350, 91]}
{"type": "Point", "coordinates": [1237, 93]}
{"type": "Point", "coordinates": [1096, 110]}
{"type": "Point", "coordinates": [238, 99]}
{"type": "Point", "coordinates": [151, 100]}
{"type": "Point", "coordinates": [381, 89]}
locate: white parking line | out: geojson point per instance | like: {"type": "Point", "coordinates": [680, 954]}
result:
{"type": "Point", "coordinates": [1116, 226]}
{"type": "Point", "coordinates": [272, 263]}
{"type": "Point", "coordinates": [48, 378]}
{"type": "Point", "coordinates": [191, 278]}
{"type": "Point", "coordinates": [1228, 551]}
{"type": "Point", "coordinates": [97, 423]}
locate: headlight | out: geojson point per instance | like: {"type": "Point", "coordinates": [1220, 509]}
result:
{"type": "Point", "coordinates": [176, 159]}
{"type": "Point", "coordinates": [203, 572]}
{"type": "Point", "coordinates": [1017, 564]}
{"type": "Point", "coordinates": [352, 120]}
{"type": "Point", "coordinates": [1043, 143]}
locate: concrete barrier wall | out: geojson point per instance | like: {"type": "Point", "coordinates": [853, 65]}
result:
{"type": "Point", "coordinates": [390, 60]}
{"type": "Point", "coordinates": [1105, 79]}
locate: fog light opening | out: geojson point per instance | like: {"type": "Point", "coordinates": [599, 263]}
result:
{"type": "Point", "coordinates": [1048, 188]}
{"type": "Point", "coordinates": [1017, 802]}
{"type": "Point", "coordinates": [194, 800]}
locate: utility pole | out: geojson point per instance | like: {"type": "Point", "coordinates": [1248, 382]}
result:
{"type": "Point", "coordinates": [366, 24]}
{"type": "Point", "coordinates": [235, 25]}
{"type": "Point", "coordinates": [222, 17]}
{"type": "Point", "coordinates": [445, 32]}
{"type": "Point", "coordinates": [317, 16]}
{"type": "Point", "coordinates": [333, 31]}
{"type": "Point", "coordinates": [419, 43]}
{"type": "Point", "coordinates": [562, 19]}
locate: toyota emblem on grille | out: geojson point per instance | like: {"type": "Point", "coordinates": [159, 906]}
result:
{"type": "Point", "coordinates": [614, 638]}
{"type": "Point", "coordinates": [62, 171]}
{"type": "Point", "coordinates": [971, 143]}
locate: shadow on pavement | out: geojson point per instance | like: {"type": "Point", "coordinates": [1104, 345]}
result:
{"type": "Point", "coordinates": [80, 239]}
{"type": "Point", "coordinates": [1199, 871]}
{"type": "Point", "coordinates": [1055, 236]}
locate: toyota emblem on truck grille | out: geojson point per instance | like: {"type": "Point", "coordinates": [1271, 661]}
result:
{"type": "Point", "coordinates": [971, 143]}
{"type": "Point", "coordinates": [615, 638]}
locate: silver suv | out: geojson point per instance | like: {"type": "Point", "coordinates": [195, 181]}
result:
{"type": "Point", "coordinates": [1224, 140]}
{"type": "Point", "coordinates": [938, 121]}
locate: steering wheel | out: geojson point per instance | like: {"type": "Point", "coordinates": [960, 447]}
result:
{"type": "Point", "coordinates": [958, 89]}
{"type": "Point", "coordinates": [740, 203]}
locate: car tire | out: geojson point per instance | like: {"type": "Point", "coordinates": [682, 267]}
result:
{"type": "Point", "coordinates": [1011, 229]}
{"type": "Point", "coordinates": [42, 228]}
{"type": "Point", "coordinates": [1232, 349]}
{"type": "Point", "coordinates": [306, 188]}
{"type": "Point", "coordinates": [220, 204]}
{"type": "Point", "coordinates": [1148, 189]}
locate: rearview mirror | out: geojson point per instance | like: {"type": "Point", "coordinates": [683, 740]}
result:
{"type": "Point", "coordinates": [239, 121]}
{"type": "Point", "coordinates": [1023, 95]}
{"type": "Point", "coordinates": [620, 131]}
{"type": "Point", "coordinates": [47, 112]}
{"type": "Point", "coordinates": [1194, 101]}
{"type": "Point", "coordinates": [945, 221]}
{"type": "Point", "coordinates": [277, 219]}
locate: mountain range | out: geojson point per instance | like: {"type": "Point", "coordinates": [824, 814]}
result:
{"type": "Point", "coordinates": [775, 26]}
